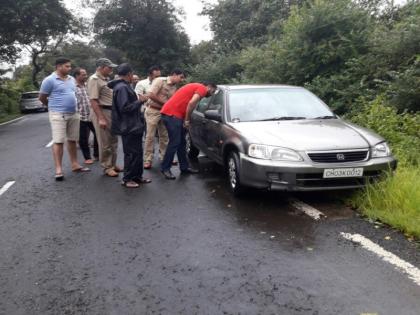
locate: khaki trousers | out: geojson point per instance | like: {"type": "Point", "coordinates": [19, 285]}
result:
{"type": "Point", "coordinates": [153, 123]}
{"type": "Point", "coordinates": [107, 143]}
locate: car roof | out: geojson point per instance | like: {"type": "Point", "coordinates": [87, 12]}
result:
{"type": "Point", "coordinates": [256, 86]}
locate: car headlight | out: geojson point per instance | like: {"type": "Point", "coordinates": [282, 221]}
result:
{"type": "Point", "coordinates": [267, 152]}
{"type": "Point", "coordinates": [381, 150]}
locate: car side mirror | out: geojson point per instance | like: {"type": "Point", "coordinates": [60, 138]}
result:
{"type": "Point", "coordinates": [213, 114]}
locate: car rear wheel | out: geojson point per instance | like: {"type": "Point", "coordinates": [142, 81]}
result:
{"type": "Point", "coordinates": [192, 151]}
{"type": "Point", "coordinates": [233, 168]}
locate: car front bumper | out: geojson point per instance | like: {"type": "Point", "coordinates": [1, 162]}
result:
{"type": "Point", "coordinates": [304, 176]}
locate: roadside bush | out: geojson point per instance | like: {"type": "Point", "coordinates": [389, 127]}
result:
{"type": "Point", "coordinates": [402, 131]}
{"type": "Point", "coordinates": [9, 101]}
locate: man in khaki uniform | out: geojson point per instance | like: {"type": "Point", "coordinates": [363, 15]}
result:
{"type": "Point", "coordinates": [100, 96]}
{"type": "Point", "coordinates": [160, 92]}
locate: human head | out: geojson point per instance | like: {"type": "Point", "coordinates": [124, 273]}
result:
{"type": "Point", "coordinates": [135, 78]}
{"type": "Point", "coordinates": [105, 66]}
{"type": "Point", "coordinates": [63, 66]}
{"type": "Point", "coordinates": [211, 88]}
{"type": "Point", "coordinates": [125, 72]}
{"type": "Point", "coordinates": [80, 75]}
{"type": "Point", "coordinates": [154, 72]}
{"type": "Point", "coordinates": [177, 76]}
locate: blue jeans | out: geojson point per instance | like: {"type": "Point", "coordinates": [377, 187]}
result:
{"type": "Point", "coordinates": [177, 144]}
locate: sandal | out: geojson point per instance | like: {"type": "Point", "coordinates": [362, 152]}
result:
{"type": "Point", "coordinates": [81, 169]}
{"type": "Point", "coordinates": [130, 184]}
{"type": "Point", "coordinates": [143, 180]}
{"type": "Point", "coordinates": [117, 169]}
{"type": "Point", "coordinates": [147, 165]}
{"type": "Point", "coordinates": [59, 177]}
{"type": "Point", "coordinates": [89, 161]}
{"type": "Point", "coordinates": [111, 172]}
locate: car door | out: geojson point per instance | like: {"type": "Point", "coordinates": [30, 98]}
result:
{"type": "Point", "coordinates": [213, 128]}
{"type": "Point", "coordinates": [197, 124]}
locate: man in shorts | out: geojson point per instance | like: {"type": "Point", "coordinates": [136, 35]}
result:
{"type": "Point", "coordinates": [58, 92]}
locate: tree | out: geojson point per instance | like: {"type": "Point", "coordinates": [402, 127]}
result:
{"type": "Point", "coordinates": [237, 24]}
{"type": "Point", "coordinates": [148, 31]}
{"type": "Point", "coordinates": [40, 26]}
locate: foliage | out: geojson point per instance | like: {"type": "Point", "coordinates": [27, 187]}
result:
{"type": "Point", "coordinates": [9, 97]}
{"type": "Point", "coordinates": [147, 31]}
{"type": "Point", "coordinates": [395, 200]}
{"type": "Point", "coordinates": [400, 130]}
{"type": "Point", "coordinates": [37, 26]}
{"type": "Point", "coordinates": [237, 24]}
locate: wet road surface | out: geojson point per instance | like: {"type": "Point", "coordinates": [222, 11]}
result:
{"type": "Point", "coordinates": [89, 246]}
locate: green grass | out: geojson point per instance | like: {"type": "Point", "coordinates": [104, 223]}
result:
{"type": "Point", "coordinates": [394, 201]}
{"type": "Point", "coordinates": [7, 117]}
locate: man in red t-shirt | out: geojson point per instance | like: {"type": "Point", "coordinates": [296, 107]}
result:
{"type": "Point", "coordinates": [176, 113]}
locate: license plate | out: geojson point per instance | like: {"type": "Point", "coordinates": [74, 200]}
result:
{"type": "Point", "coordinates": [343, 172]}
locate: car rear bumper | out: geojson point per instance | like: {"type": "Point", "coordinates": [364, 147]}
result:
{"type": "Point", "coordinates": [303, 176]}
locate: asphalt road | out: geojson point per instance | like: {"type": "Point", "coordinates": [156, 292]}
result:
{"type": "Point", "coordinates": [89, 246]}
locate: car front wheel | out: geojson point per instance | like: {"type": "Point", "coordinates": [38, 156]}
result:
{"type": "Point", "coordinates": [233, 168]}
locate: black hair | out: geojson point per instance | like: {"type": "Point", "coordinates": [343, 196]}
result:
{"type": "Point", "coordinates": [209, 83]}
{"type": "Point", "coordinates": [153, 68]}
{"type": "Point", "coordinates": [61, 61]}
{"type": "Point", "coordinates": [178, 71]}
{"type": "Point", "coordinates": [124, 69]}
{"type": "Point", "coordinates": [76, 71]}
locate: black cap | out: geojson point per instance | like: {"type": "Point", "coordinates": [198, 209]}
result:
{"type": "Point", "coordinates": [124, 69]}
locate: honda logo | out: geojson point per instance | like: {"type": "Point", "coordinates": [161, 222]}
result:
{"type": "Point", "coordinates": [341, 157]}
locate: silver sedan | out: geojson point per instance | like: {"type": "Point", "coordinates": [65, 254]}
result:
{"type": "Point", "coordinates": [284, 138]}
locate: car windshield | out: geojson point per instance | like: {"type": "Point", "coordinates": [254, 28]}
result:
{"type": "Point", "coordinates": [27, 96]}
{"type": "Point", "coordinates": [264, 104]}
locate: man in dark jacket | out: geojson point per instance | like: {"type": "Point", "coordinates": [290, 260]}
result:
{"type": "Point", "coordinates": [128, 122]}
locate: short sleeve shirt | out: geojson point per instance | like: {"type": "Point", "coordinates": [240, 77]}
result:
{"type": "Point", "coordinates": [178, 103]}
{"type": "Point", "coordinates": [163, 89]}
{"type": "Point", "coordinates": [98, 89]}
{"type": "Point", "coordinates": [143, 86]}
{"type": "Point", "coordinates": [61, 93]}
{"type": "Point", "coordinates": [82, 102]}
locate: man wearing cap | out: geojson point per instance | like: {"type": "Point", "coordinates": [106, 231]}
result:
{"type": "Point", "coordinates": [100, 96]}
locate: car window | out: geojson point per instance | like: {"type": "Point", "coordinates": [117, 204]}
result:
{"type": "Point", "coordinates": [217, 101]}
{"type": "Point", "coordinates": [202, 105]}
{"type": "Point", "coordinates": [264, 104]}
{"type": "Point", "coordinates": [29, 96]}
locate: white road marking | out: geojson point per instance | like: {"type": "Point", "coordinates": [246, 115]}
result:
{"type": "Point", "coordinates": [11, 121]}
{"type": "Point", "coordinates": [307, 209]}
{"type": "Point", "coordinates": [6, 187]}
{"type": "Point", "coordinates": [407, 268]}
{"type": "Point", "coordinates": [49, 144]}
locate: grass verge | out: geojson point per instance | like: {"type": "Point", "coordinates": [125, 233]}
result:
{"type": "Point", "coordinates": [8, 117]}
{"type": "Point", "coordinates": [394, 200]}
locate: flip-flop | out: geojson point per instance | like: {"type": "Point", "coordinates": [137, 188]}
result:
{"type": "Point", "coordinates": [59, 177]}
{"type": "Point", "coordinates": [130, 184]}
{"type": "Point", "coordinates": [81, 170]}
{"type": "Point", "coordinates": [143, 180]}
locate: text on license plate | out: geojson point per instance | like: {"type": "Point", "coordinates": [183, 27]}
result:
{"type": "Point", "coordinates": [343, 172]}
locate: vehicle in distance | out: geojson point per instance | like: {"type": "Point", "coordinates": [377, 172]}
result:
{"type": "Point", "coordinates": [29, 102]}
{"type": "Point", "coordinates": [281, 137]}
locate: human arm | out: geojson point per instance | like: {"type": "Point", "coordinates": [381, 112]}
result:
{"type": "Point", "coordinates": [43, 98]}
{"type": "Point", "coordinates": [154, 91]}
{"type": "Point", "coordinates": [190, 107]}
{"type": "Point", "coordinates": [93, 92]}
{"type": "Point", "coordinates": [124, 103]}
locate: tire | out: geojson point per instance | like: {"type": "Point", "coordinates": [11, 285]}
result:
{"type": "Point", "coordinates": [192, 151]}
{"type": "Point", "coordinates": [233, 170]}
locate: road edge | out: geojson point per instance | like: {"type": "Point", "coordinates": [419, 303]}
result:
{"type": "Point", "coordinates": [11, 121]}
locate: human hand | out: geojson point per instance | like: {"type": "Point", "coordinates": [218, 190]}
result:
{"type": "Point", "coordinates": [103, 123]}
{"type": "Point", "coordinates": [187, 124]}
{"type": "Point", "coordinates": [143, 98]}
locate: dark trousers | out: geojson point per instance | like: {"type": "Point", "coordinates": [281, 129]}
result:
{"type": "Point", "coordinates": [177, 144]}
{"type": "Point", "coordinates": [133, 156]}
{"type": "Point", "coordinates": [85, 128]}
